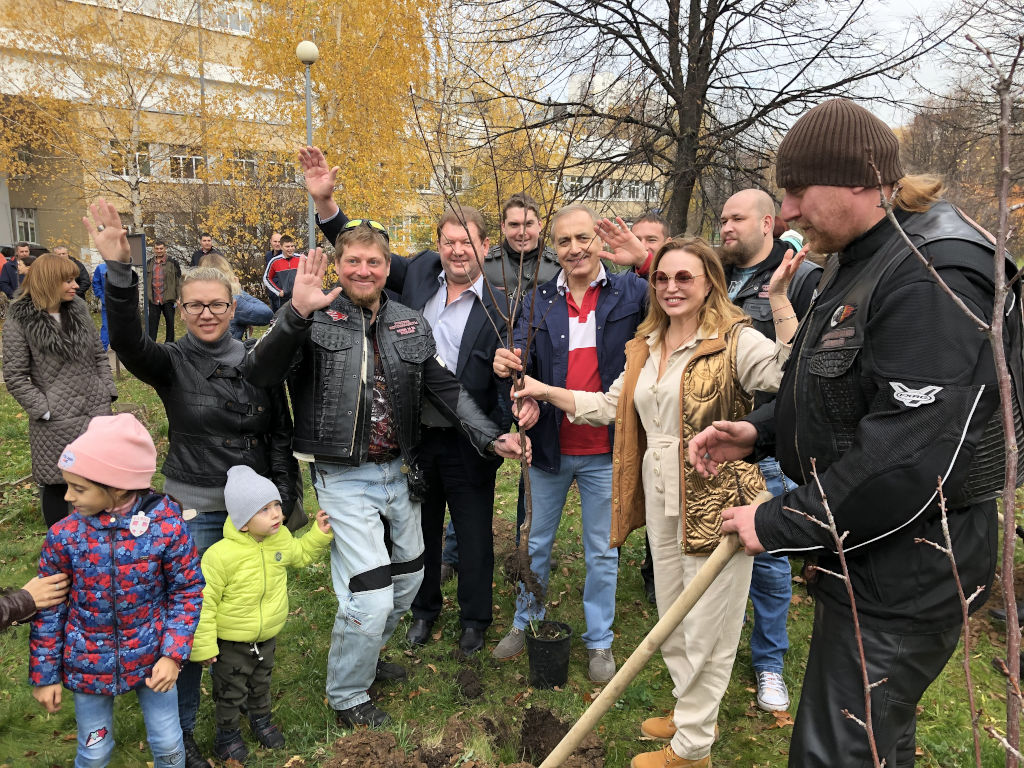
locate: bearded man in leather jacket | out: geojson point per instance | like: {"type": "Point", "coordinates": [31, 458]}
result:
{"type": "Point", "coordinates": [358, 366]}
{"type": "Point", "coordinates": [889, 387]}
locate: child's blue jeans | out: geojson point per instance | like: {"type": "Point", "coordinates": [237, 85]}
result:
{"type": "Point", "coordinates": [95, 716]}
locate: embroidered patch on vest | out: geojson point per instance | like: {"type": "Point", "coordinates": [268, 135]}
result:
{"type": "Point", "coordinates": [404, 327]}
{"type": "Point", "coordinates": [837, 338]}
{"type": "Point", "coordinates": [844, 312]}
{"type": "Point", "coordinates": [335, 315]}
{"type": "Point", "coordinates": [914, 397]}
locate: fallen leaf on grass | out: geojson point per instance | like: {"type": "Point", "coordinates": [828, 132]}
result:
{"type": "Point", "coordinates": [918, 752]}
{"type": "Point", "coordinates": [295, 761]}
{"type": "Point", "coordinates": [432, 668]}
{"type": "Point", "coordinates": [437, 635]}
{"type": "Point", "coordinates": [782, 719]}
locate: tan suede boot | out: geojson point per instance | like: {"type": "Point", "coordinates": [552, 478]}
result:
{"type": "Point", "coordinates": [667, 758]}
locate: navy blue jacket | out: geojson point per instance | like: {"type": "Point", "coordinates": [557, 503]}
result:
{"type": "Point", "coordinates": [10, 280]}
{"type": "Point", "coordinates": [621, 306]}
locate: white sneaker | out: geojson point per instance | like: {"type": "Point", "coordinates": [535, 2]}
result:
{"type": "Point", "coordinates": [772, 694]}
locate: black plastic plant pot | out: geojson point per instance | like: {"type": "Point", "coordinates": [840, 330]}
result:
{"type": "Point", "coordinates": [548, 652]}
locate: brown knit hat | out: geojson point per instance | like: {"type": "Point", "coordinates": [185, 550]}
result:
{"type": "Point", "coordinates": [833, 145]}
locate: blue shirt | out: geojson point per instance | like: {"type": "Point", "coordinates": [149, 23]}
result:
{"type": "Point", "coordinates": [448, 321]}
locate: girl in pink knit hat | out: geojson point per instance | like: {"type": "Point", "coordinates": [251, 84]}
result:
{"type": "Point", "coordinates": [135, 597]}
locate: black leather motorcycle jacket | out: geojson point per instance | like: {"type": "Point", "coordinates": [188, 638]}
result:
{"type": "Point", "coordinates": [328, 360]}
{"type": "Point", "coordinates": [890, 387]}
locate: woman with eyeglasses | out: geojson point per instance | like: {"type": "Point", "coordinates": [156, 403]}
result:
{"type": "Point", "coordinates": [216, 419]}
{"type": "Point", "coordinates": [56, 368]}
{"type": "Point", "coordinates": [695, 360]}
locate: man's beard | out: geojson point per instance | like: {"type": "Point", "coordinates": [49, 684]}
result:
{"type": "Point", "coordinates": [366, 300]}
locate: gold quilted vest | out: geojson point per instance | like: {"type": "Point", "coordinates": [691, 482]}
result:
{"type": "Point", "coordinates": [708, 392]}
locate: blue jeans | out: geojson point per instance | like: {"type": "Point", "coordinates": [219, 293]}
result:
{"type": "Point", "coordinates": [376, 567]}
{"type": "Point", "coordinates": [771, 589]}
{"type": "Point", "coordinates": [207, 528]}
{"type": "Point", "coordinates": [95, 716]}
{"type": "Point", "coordinates": [104, 336]}
{"type": "Point", "coordinates": [593, 475]}
{"type": "Point", "coordinates": [450, 553]}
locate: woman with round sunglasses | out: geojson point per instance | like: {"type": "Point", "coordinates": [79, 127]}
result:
{"type": "Point", "coordinates": [216, 419]}
{"type": "Point", "coordinates": [695, 360]}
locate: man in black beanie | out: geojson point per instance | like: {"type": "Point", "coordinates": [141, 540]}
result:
{"type": "Point", "coordinates": [889, 387]}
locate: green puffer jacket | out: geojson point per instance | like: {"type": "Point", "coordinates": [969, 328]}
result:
{"type": "Point", "coordinates": [246, 593]}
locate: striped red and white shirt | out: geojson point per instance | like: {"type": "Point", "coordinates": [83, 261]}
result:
{"type": "Point", "coordinates": [582, 372]}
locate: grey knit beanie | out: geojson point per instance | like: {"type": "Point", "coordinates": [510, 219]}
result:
{"type": "Point", "coordinates": [833, 145]}
{"type": "Point", "coordinates": [246, 493]}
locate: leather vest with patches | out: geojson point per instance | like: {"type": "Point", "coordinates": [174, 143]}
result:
{"type": "Point", "coordinates": [833, 393]}
{"type": "Point", "coordinates": [709, 391]}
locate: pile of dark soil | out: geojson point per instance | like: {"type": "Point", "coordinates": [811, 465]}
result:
{"type": "Point", "coordinates": [539, 734]}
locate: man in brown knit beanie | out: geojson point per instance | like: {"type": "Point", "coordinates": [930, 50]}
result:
{"type": "Point", "coordinates": [889, 386]}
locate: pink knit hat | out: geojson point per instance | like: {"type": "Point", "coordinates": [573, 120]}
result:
{"type": "Point", "coordinates": [115, 451]}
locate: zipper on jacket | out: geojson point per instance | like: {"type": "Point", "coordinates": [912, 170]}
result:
{"type": "Point", "coordinates": [263, 565]}
{"type": "Point", "coordinates": [359, 392]}
{"type": "Point", "coordinates": [113, 605]}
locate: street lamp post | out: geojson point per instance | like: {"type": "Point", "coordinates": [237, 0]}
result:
{"type": "Point", "coordinates": [308, 53]}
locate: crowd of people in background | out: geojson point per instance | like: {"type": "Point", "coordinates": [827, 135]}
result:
{"type": "Point", "coordinates": [676, 384]}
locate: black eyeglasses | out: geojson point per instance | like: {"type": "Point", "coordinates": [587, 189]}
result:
{"type": "Point", "coordinates": [375, 225]}
{"type": "Point", "coordinates": [682, 278]}
{"type": "Point", "coordinates": [197, 307]}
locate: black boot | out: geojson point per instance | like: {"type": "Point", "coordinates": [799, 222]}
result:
{"type": "Point", "coordinates": [266, 732]}
{"type": "Point", "coordinates": [228, 745]}
{"type": "Point", "coordinates": [193, 757]}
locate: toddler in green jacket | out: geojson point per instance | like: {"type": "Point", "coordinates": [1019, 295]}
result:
{"type": "Point", "coordinates": [245, 605]}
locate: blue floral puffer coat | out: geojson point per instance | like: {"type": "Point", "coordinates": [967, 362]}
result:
{"type": "Point", "coordinates": [133, 599]}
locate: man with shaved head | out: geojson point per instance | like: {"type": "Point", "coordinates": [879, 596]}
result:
{"type": "Point", "coordinates": [751, 254]}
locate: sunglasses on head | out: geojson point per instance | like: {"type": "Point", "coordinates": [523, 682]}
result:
{"type": "Point", "coordinates": [681, 278]}
{"type": "Point", "coordinates": [375, 225]}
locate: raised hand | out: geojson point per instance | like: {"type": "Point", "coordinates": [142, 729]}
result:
{"type": "Point", "coordinates": [627, 250]}
{"type": "Point", "coordinates": [320, 178]}
{"type": "Point", "coordinates": [721, 442]}
{"type": "Point", "coordinates": [307, 293]}
{"type": "Point", "coordinates": [110, 237]}
{"type": "Point", "coordinates": [779, 284]}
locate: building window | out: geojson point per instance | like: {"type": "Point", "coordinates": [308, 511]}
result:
{"type": "Point", "coordinates": [185, 163]}
{"type": "Point", "coordinates": [633, 190]}
{"type": "Point", "coordinates": [651, 191]}
{"type": "Point", "coordinates": [281, 172]}
{"type": "Point", "coordinates": [25, 227]}
{"type": "Point", "coordinates": [242, 165]}
{"type": "Point", "coordinates": [129, 164]}
{"type": "Point", "coordinates": [571, 186]}
{"type": "Point", "coordinates": [234, 20]}
{"type": "Point", "coordinates": [460, 178]}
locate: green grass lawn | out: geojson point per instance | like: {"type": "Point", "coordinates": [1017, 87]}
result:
{"type": "Point", "coordinates": [432, 702]}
